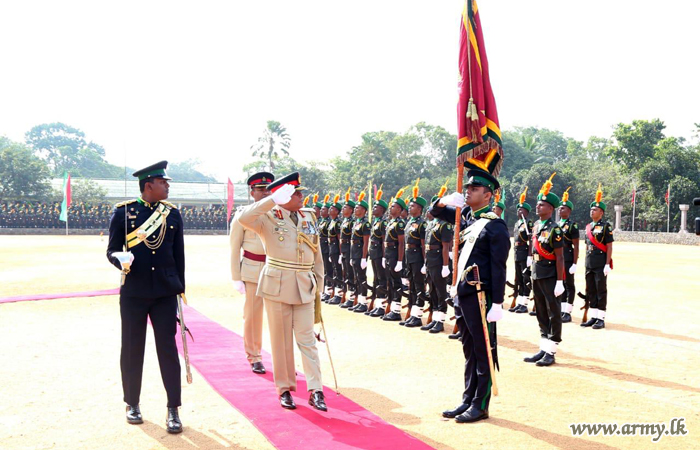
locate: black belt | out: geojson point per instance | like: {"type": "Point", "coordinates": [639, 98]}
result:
{"type": "Point", "coordinates": [433, 247]}
{"type": "Point", "coordinates": [390, 244]}
{"type": "Point", "coordinates": [412, 245]}
{"type": "Point", "coordinates": [345, 241]}
{"type": "Point", "coordinates": [521, 244]}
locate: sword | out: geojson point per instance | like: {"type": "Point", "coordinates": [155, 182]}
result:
{"type": "Point", "coordinates": [482, 308]}
{"type": "Point", "coordinates": [184, 330]}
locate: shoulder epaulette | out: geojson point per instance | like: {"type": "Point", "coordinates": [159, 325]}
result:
{"type": "Point", "coordinates": [490, 215]}
{"type": "Point", "coordinates": [124, 203]}
{"type": "Point", "coordinates": [168, 204]}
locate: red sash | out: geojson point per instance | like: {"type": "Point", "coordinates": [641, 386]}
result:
{"type": "Point", "coordinates": [540, 251]}
{"type": "Point", "coordinates": [603, 248]}
{"type": "Point", "coordinates": [254, 256]}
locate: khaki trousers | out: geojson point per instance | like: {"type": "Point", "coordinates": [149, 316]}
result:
{"type": "Point", "coordinates": [287, 322]}
{"type": "Point", "coordinates": [252, 323]}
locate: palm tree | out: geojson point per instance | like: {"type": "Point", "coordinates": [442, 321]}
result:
{"type": "Point", "coordinates": [274, 139]}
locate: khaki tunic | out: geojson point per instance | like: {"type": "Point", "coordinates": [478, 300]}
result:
{"type": "Point", "coordinates": [288, 283]}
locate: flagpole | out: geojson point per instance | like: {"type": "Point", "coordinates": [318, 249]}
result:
{"type": "Point", "coordinates": [634, 204]}
{"type": "Point", "coordinates": [668, 209]}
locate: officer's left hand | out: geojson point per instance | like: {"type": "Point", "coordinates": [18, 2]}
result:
{"type": "Point", "coordinates": [423, 270]}
{"type": "Point", "coordinates": [495, 313]}
{"type": "Point", "coordinates": [445, 271]}
{"type": "Point", "coordinates": [606, 270]}
{"type": "Point", "coordinates": [363, 263]}
{"type": "Point", "coordinates": [572, 269]}
{"type": "Point", "coordinates": [559, 288]}
{"type": "Point", "coordinates": [239, 286]}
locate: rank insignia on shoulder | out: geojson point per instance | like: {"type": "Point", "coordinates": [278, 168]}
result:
{"type": "Point", "coordinates": [490, 215]}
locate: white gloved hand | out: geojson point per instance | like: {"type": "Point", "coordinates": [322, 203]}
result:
{"type": "Point", "coordinates": [453, 291]}
{"type": "Point", "coordinates": [606, 270]}
{"type": "Point", "coordinates": [495, 313]}
{"type": "Point", "coordinates": [330, 260]}
{"type": "Point", "coordinates": [399, 266]}
{"type": "Point", "coordinates": [559, 288]}
{"type": "Point", "coordinates": [454, 199]}
{"type": "Point", "coordinates": [423, 270]}
{"type": "Point", "coordinates": [340, 259]}
{"type": "Point", "coordinates": [445, 271]}
{"type": "Point", "coordinates": [239, 286]}
{"type": "Point", "coordinates": [450, 254]}
{"type": "Point", "coordinates": [283, 195]}
{"type": "Point", "coordinates": [572, 269]}
{"type": "Point", "coordinates": [363, 263]}
{"type": "Point", "coordinates": [529, 261]}
{"type": "Point", "coordinates": [384, 263]}
{"type": "Point", "coordinates": [121, 256]}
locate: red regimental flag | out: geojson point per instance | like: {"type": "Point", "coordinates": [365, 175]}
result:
{"type": "Point", "coordinates": [634, 194]}
{"type": "Point", "coordinates": [479, 134]}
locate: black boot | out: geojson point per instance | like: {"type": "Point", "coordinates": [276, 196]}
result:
{"type": "Point", "coordinates": [318, 401]}
{"type": "Point", "coordinates": [173, 424]}
{"type": "Point", "coordinates": [335, 300]}
{"type": "Point", "coordinates": [392, 317]}
{"type": "Point", "coordinates": [472, 415]}
{"type": "Point", "coordinates": [452, 413]}
{"type": "Point", "coordinates": [547, 360]}
{"type": "Point", "coordinates": [512, 309]}
{"type": "Point", "coordinates": [347, 304]}
{"type": "Point", "coordinates": [361, 308]}
{"type": "Point", "coordinates": [428, 326]}
{"type": "Point", "coordinates": [589, 323]}
{"type": "Point", "coordinates": [521, 309]}
{"type": "Point", "coordinates": [286, 401]}
{"type": "Point", "coordinates": [457, 335]}
{"type": "Point", "coordinates": [532, 313]}
{"type": "Point", "coordinates": [565, 317]}
{"type": "Point", "coordinates": [437, 328]}
{"type": "Point", "coordinates": [258, 367]}
{"type": "Point", "coordinates": [133, 414]}
{"type": "Point", "coordinates": [534, 358]}
{"type": "Point", "coordinates": [325, 297]}
{"type": "Point", "coordinates": [377, 312]}
{"type": "Point", "coordinates": [414, 322]}
{"type": "Point", "coordinates": [599, 323]}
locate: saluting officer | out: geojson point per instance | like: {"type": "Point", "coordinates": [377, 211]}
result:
{"type": "Point", "coordinates": [599, 263]}
{"type": "Point", "coordinates": [521, 238]}
{"type": "Point", "coordinates": [438, 237]}
{"type": "Point", "coordinates": [415, 260]}
{"type": "Point", "coordinates": [376, 256]}
{"type": "Point", "coordinates": [358, 253]}
{"type": "Point", "coordinates": [393, 256]}
{"type": "Point", "coordinates": [569, 230]}
{"type": "Point", "coordinates": [146, 242]}
{"type": "Point", "coordinates": [334, 251]}
{"type": "Point", "coordinates": [290, 284]}
{"type": "Point", "coordinates": [547, 275]}
{"type": "Point", "coordinates": [247, 258]}
{"type": "Point", "coordinates": [345, 238]}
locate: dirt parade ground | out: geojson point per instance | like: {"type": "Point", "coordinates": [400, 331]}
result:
{"type": "Point", "coordinates": [61, 388]}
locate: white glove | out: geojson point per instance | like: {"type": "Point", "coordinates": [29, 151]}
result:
{"type": "Point", "coordinates": [572, 269]}
{"type": "Point", "coordinates": [445, 271]}
{"type": "Point", "coordinates": [330, 260]}
{"type": "Point", "coordinates": [495, 313]}
{"type": "Point", "coordinates": [606, 270]}
{"type": "Point", "coordinates": [453, 291]}
{"type": "Point", "coordinates": [529, 261]}
{"type": "Point", "coordinates": [399, 266]}
{"type": "Point", "coordinates": [239, 286]}
{"type": "Point", "coordinates": [340, 259]}
{"type": "Point", "coordinates": [283, 195]}
{"type": "Point", "coordinates": [559, 288]}
{"type": "Point", "coordinates": [423, 270]}
{"type": "Point", "coordinates": [454, 199]}
{"type": "Point", "coordinates": [121, 257]}
{"type": "Point", "coordinates": [363, 263]}
{"type": "Point", "coordinates": [384, 263]}
{"type": "Point", "coordinates": [450, 254]}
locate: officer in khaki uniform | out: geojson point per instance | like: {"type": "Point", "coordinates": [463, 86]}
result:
{"type": "Point", "coordinates": [290, 284]}
{"type": "Point", "coordinates": [247, 258]}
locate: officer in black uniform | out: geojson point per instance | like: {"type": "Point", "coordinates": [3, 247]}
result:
{"type": "Point", "coordinates": [345, 243]}
{"type": "Point", "coordinates": [489, 242]}
{"type": "Point", "coordinates": [358, 253]}
{"type": "Point", "coordinates": [394, 255]}
{"type": "Point", "coordinates": [438, 237]}
{"type": "Point", "coordinates": [415, 260]}
{"type": "Point", "coordinates": [154, 269]}
{"type": "Point", "coordinates": [334, 251]}
{"type": "Point", "coordinates": [599, 263]}
{"type": "Point", "coordinates": [521, 238]}
{"type": "Point", "coordinates": [569, 230]}
{"type": "Point", "coordinates": [376, 256]}
{"type": "Point", "coordinates": [323, 223]}
{"type": "Point", "coordinates": [547, 275]}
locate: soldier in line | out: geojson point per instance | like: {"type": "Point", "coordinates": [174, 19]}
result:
{"type": "Point", "coordinates": [289, 283]}
{"type": "Point", "coordinates": [394, 254]}
{"type": "Point", "coordinates": [522, 237]}
{"type": "Point", "coordinates": [547, 275]}
{"type": "Point", "coordinates": [415, 260]}
{"type": "Point", "coordinates": [345, 238]}
{"type": "Point", "coordinates": [323, 224]}
{"type": "Point", "coordinates": [570, 231]}
{"type": "Point", "coordinates": [247, 258]}
{"type": "Point", "coordinates": [376, 255]}
{"type": "Point", "coordinates": [150, 229]}
{"type": "Point", "coordinates": [358, 253]}
{"type": "Point", "coordinates": [334, 255]}
{"type": "Point", "coordinates": [599, 263]}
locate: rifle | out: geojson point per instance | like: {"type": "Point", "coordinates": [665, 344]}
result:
{"type": "Point", "coordinates": [514, 294]}
{"type": "Point", "coordinates": [585, 306]}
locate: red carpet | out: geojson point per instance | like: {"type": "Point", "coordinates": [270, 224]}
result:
{"type": "Point", "coordinates": [24, 298]}
{"type": "Point", "coordinates": [219, 357]}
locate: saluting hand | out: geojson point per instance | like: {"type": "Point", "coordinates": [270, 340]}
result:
{"type": "Point", "coordinates": [455, 199]}
{"type": "Point", "coordinates": [283, 195]}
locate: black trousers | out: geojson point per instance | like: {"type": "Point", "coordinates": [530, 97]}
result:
{"type": "Point", "coordinates": [393, 280]}
{"type": "Point", "coordinates": [477, 375]}
{"type": "Point", "coordinates": [548, 308]}
{"type": "Point", "coordinates": [360, 277]}
{"type": "Point", "coordinates": [597, 289]}
{"type": "Point", "coordinates": [380, 280]}
{"type": "Point", "coordinates": [417, 285]}
{"type": "Point", "coordinates": [522, 278]}
{"type": "Point", "coordinates": [337, 271]}
{"type": "Point", "coordinates": [438, 289]}
{"type": "Point", "coordinates": [569, 283]}
{"type": "Point", "coordinates": [348, 275]}
{"type": "Point", "coordinates": [163, 313]}
{"type": "Point", "coordinates": [327, 270]}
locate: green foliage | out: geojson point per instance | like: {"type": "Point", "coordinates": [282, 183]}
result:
{"type": "Point", "coordinates": [187, 171]}
{"type": "Point", "coordinates": [22, 174]}
{"type": "Point", "coordinates": [274, 140]}
{"type": "Point", "coordinates": [635, 143]}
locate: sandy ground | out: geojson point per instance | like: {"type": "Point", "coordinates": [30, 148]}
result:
{"type": "Point", "coordinates": [59, 360]}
